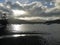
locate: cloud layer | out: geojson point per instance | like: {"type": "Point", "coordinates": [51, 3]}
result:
{"type": "Point", "coordinates": [34, 9]}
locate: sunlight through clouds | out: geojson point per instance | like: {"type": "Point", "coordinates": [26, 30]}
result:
{"type": "Point", "coordinates": [33, 9]}
{"type": "Point", "coordinates": [19, 12]}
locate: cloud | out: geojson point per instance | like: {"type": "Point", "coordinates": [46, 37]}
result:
{"type": "Point", "coordinates": [55, 11]}
{"type": "Point", "coordinates": [34, 9]}
{"type": "Point", "coordinates": [48, 0]}
{"type": "Point", "coordinates": [5, 8]}
{"type": "Point", "coordinates": [38, 19]}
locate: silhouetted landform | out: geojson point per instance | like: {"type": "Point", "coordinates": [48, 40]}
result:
{"type": "Point", "coordinates": [30, 22]}
{"type": "Point", "coordinates": [16, 21]}
{"type": "Point", "coordinates": [4, 22]}
{"type": "Point", "coordinates": [32, 32]}
{"type": "Point", "coordinates": [52, 22]}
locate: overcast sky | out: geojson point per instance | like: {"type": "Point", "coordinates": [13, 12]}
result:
{"type": "Point", "coordinates": [40, 8]}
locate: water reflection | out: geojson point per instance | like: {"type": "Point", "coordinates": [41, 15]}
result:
{"type": "Point", "coordinates": [15, 28]}
{"type": "Point", "coordinates": [33, 28]}
{"type": "Point", "coordinates": [18, 35]}
{"type": "Point", "coordinates": [18, 28]}
{"type": "Point", "coordinates": [23, 28]}
{"type": "Point", "coordinates": [12, 36]}
{"type": "Point", "coordinates": [23, 40]}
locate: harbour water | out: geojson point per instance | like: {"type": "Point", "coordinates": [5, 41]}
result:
{"type": "Point", "coordinates": [48, 32]}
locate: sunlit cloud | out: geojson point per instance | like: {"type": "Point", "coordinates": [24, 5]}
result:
{"type": "Point", "coordinates": [33, 9]}
{"type": "Point", "coordinates": [38, 18]}
{"type": "Point", "coordinates": [57, 7]}
{"type": "Point", "coordinates": [1, 4]}
{"type": "Point", "coordinates": [8, 7]}
{"type": "Point", "coordinates": [19, 12]}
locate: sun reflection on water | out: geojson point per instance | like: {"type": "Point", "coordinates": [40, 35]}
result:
{"type": "Point", "coordinates": [15, 28]}
{"type": "Point", "coordinates": [18, 35]}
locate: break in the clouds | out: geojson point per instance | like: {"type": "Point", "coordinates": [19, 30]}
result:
{"type": "Point", "coordinates": [32, 9]}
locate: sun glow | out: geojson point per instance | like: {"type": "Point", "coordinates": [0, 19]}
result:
{"type": "Point", "coordinates": [19, 12]}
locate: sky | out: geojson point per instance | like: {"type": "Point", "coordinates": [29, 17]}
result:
{"type": "Point", "coordinates": [44, 2]}
{"type": "Point", "coordinates": [32, 8]}
{"type": "Point", "coordinates": [29, 1]}
{"type": "Point", "coordinates": [2, 0]}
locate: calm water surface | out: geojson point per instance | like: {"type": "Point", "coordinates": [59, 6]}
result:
{"type": "Point", "coordinates": [53, 30]}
